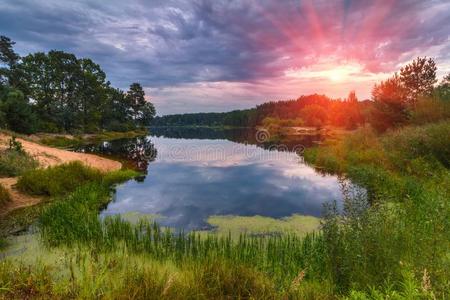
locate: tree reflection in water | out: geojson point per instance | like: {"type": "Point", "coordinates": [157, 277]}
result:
{"type": "Point", "coordinates": [135, 153]}
{"type": "Point", "coordinates": [138, 152]}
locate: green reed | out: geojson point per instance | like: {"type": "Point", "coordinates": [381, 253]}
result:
{"type": "Point", "coordinates": [74, 221]}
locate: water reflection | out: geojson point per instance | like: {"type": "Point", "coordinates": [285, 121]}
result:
{"type": "Point", "coordinates": [136, 153]}
{"type": "Point", "coordinates": [238, 135]}
{"type": "Point", "coordinates": [193, 178]}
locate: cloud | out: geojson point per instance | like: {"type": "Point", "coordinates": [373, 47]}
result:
{"type": "Point", "coordinates": [209, 55]}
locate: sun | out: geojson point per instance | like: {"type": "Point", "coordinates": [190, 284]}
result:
{"type": "Point", "coordinates": [337, 74]}
{"type": "Point", "coordinates": [329, 71]}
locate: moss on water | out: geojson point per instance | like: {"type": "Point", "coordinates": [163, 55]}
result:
{"type": "Point", "coordinates": [259, 225]}
{"type": "Point", "coordinates": [134, 217]}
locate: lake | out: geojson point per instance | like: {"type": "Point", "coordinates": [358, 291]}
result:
{"type": "Point", "coordinates": [192, 174]}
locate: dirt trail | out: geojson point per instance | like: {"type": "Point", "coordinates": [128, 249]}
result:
{"type": "Point", "coordinates": [48, 156]}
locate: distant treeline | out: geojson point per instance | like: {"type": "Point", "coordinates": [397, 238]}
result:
{"type": "Point", "coordinates": [313, 110]}
{"type": "Point", "coordinates": [58, 92]}
{"type": "Point", "coordinates": [238, 118]}
{"type": "Point", "coordinates": [409, 96]}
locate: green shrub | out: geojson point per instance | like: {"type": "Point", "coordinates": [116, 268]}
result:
{"type": "Point", "coordinates": [431, 141]}
{"type": "Point", "coordinates": [62, 142]}
{"type": "Point", "coordinates": [429, 110]}
{"type": "Point", "coordinates": [58, 180]}
{"type": "Point", "coordinates": [3, 243]}
{"type": "Point", "coordinates": [14, 163]}
{"type": "Point", "coordinates": [4, 196]}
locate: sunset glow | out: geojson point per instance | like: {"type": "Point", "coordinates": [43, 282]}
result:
{"type": "Point", "coordinates": [223, 55]}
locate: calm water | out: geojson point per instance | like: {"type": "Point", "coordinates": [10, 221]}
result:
{"type": "Point", "coordinates": [192, 174]}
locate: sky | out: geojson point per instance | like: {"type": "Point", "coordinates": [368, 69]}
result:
{"type": "Point", "coordinates": [220, 55]}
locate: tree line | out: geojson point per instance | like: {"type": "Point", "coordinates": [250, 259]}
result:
{"type": "Point", "coordinates": [405, 97]}
{"type": "Point", "coordinates": [58, 92]}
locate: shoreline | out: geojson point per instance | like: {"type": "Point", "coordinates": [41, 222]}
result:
{"type": "Point", "coordinates": [47, 156]}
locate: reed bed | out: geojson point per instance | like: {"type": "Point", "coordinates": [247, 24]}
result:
{"type": "Point", "coordinates": [74, 221]}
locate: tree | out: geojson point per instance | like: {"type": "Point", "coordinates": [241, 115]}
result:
{"type": "Point", "coordinates": [15, 111]}
{"type": "Point", "coordinates": [442, 91]}
{"type": "Point", "coordinates": [142, 111]}
{"type": "Point", "coordinates": [92, 93]}
{"type": "Point", "coordinates": [7, 54]}
{"type": "Point", "coordinates": [314, 115]}
{"type": "Point", "coordinates": [418, 78]}
{"type": "Point", "coordinates": [352, 113]}
{"type": "Point", "coordinates": [9, 58]}
{"type": "Point", "coordinates": [390, 104]}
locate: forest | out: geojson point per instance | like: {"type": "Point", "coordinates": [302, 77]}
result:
{"type": "Point", "coordinates": [57, 92]}
{"type": "Point", "coordinates": [394, 102]}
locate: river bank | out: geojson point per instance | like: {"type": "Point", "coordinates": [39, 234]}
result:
{"type": "Point", "coordinates": [46, 157]}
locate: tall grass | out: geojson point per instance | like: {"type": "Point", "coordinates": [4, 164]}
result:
{"type": "Point", "coordinates": [75, 221]}
{"type": "Point", "coordinates": [4, 196]}
{"type": "Point", "coordinates": [58, 180]}
{"type": "Point", "coordinates": [121, 275]}
{"type": "Point", "coordinates": [14, 163]}
{"type": "Point", "coordinates": [406, 228]}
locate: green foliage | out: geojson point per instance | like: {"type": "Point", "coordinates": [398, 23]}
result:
{"type": "Point", "coordinates": [14, 163]}
{"type": "Point", "coordinates": [123, 276]}
{"type": "Point", "coordinates": [142, 110]}
{"type": "Point", "coordinates": [16, 111]}
{"type": "Point", "coordinates": [314, 110]}
{"type": "Point", "coordinates": [4, 196]}
{"type": "Point", "coordinates": [68, 94]}
{"type": "Point", "coordinates": [430, 109]}
{"type": "Point", "coordinates": [58, 180]}
{"type": "Point", "coordinates": [430, 142]}
{"type": "Point", "coordinates": [15, 145]}
{"type": "Point", "coordinates": [78, 140]}
{"type": "Point", "coordinates": [405, 227]}
{"type": "Point", "coordinates": [62, 142]}
{"type": "Point", "coordinates": [418, 78]}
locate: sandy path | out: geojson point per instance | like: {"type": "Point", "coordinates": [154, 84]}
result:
{"type": "Point", "coordinates": [48, 156]}
{"type": "Point", "coordinates": [18, 199]}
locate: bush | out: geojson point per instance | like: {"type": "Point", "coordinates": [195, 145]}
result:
{"type": "Point", "coordinates": [431, 142]}
{"type": "Point", "coordinates": [4, 196]}
{"type": "Point", "coordinates": [429, 110]}
{"type": "Point", "coordinates": [58, 180]}
{"type": "Point", "coordinates": [14, 163]}
{"type": "Point", "coordinates": [62, 142]}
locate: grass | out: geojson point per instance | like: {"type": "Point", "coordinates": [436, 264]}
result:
{"type": "Point", "coordinates": [4, 196]}
{"type": "Point", "coordinates": [82, 274]}
{"type": "Point", "coordinates": [74, 221]}
{"type": "Point", "coordinates": [58, 180]}
{"type": "Point", "coordinates": [79, 140]}
{"type": "Point", "coordinates": [405, 228]}
{"type": "Point", "coordinates": [14, 163]}
{"type": "Point", "coordinates": [62, 141]}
